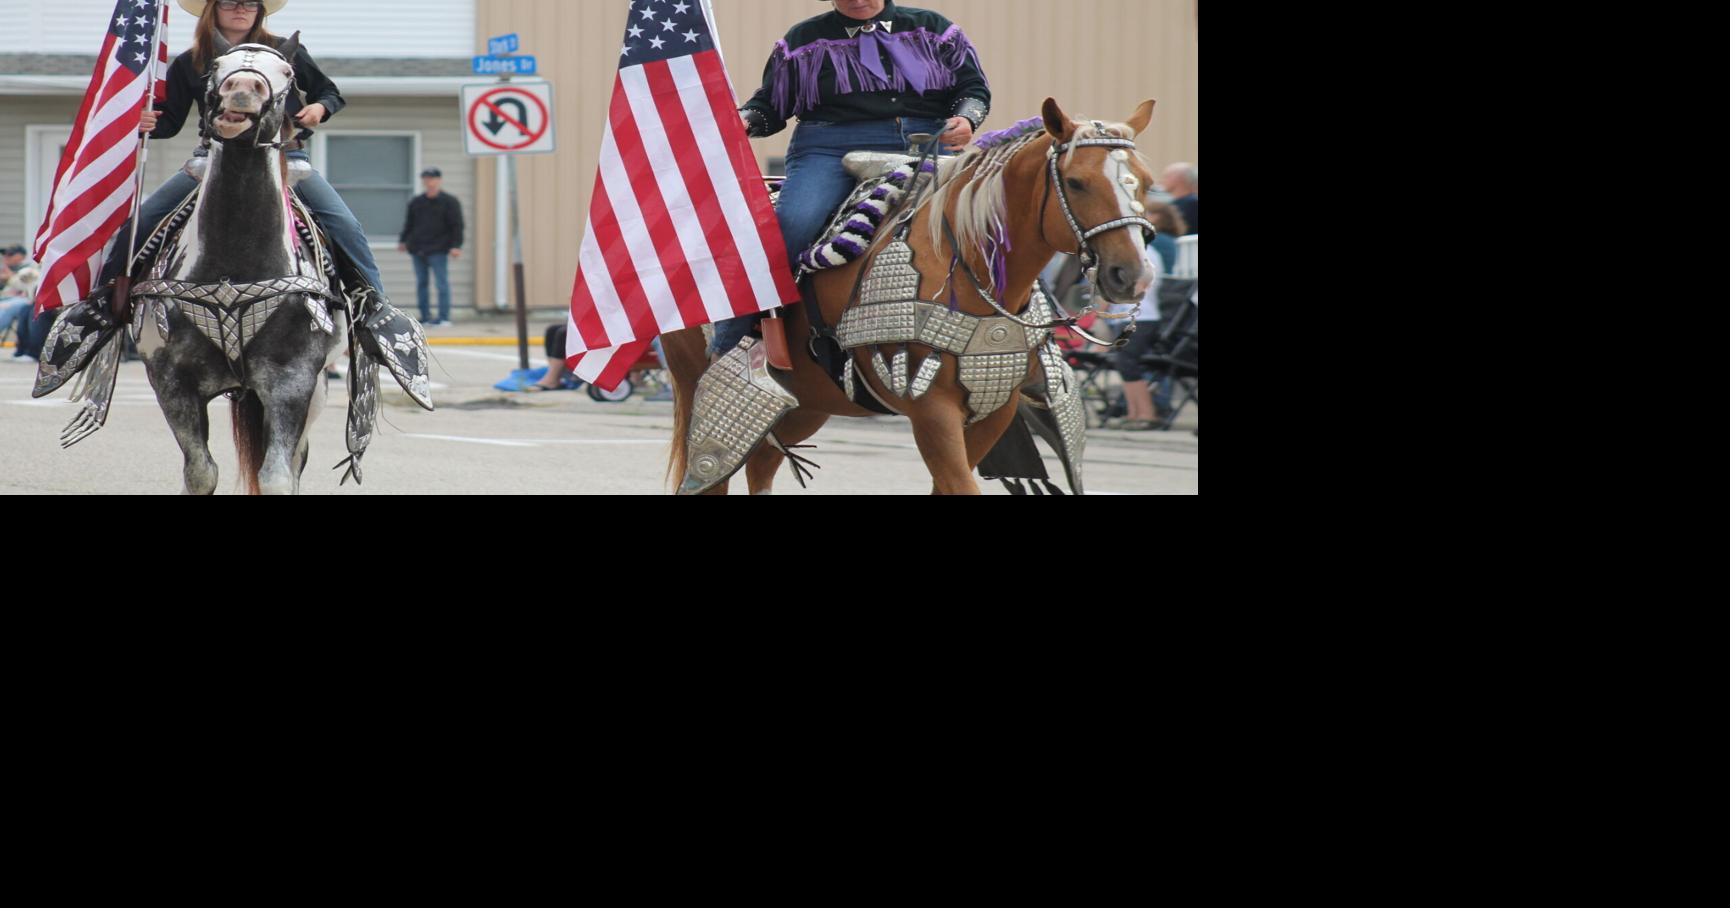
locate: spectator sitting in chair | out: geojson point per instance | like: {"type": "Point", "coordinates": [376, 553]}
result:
{"type": "Point", "coordinates": [1146, 412]}
{"type": "Point", "coordinates": [18, 279]}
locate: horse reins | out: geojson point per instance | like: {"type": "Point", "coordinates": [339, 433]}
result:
{"type": "Point", "coordinates": [1083, 238]}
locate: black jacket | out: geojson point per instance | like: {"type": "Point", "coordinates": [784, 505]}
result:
{"type": "Point", "coordinates": [433, 226]}
{"type": "Point", "coordinates": [801, 79]}
{"type": "Point", "coordinates": [186, 88]}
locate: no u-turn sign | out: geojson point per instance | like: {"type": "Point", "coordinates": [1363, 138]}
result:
{"type": "Point", "coordinates": [511, 118]}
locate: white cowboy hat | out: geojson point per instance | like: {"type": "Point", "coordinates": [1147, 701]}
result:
{"type": "Point", "coordinates": [196, 7]}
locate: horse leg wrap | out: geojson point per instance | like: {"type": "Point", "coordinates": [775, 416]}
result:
{"type": "Point", "coordinates": [738, 404]}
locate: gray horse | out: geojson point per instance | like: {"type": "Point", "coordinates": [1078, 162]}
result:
{"type": "Point", "coordinates": [241, 301]}
{"type": "Point", "coordinates": [240, 235]}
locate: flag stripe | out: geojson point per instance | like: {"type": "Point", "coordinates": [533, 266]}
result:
{"type": "Point", "coordinates": [95, 182]}
{"type": "Point", "coordinates": [618, 269]}
{"type": "Point", "coordinates": [703, 202]}
{"type": "Point", "coordinates": [76, 140]}
{"type": "Point", "coordinates": [590, 293]}
{"type": "Point", "coordinates": [680, 231]}
{"type": "Point", "coordinates": [691, 203]}
{"type": "Point", "coordinates": [641, 166]}
{"type": "Point", "coordinates": [634, 239]}
{"type": "Point", "coordinates": [758, 240]}
{"type": "Point", "coordinates": [750, 179]}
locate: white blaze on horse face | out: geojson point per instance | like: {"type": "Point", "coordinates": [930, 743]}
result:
{"type": "Point", "coordinates": [247, 78]}
{"type": "Point", "coordinates": [1120, 173]}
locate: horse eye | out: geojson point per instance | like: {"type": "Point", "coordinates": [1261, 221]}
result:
{"type": "Point", "coordinates": [1075, 184]}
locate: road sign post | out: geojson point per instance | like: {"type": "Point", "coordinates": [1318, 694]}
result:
{"type": "Point", "coordinates": [504, 119]}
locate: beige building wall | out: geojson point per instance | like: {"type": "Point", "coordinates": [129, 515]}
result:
{"type": "Point", "coordinates": [1099, 58]}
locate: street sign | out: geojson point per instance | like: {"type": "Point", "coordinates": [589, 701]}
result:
{"type": "Point", "coordinates": [504, 66]}
{"type": "Point", "coordinates": [503, 44]}
{"type": "Point", "coordinates": [515, 118]}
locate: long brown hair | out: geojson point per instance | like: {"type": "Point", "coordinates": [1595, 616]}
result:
{"type": "Point", "coordinates": [204, 36]}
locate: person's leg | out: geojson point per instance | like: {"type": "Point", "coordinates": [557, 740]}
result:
{"type": "Point", "coordinates": [1162, 396]}
{"type": "Point", "coordinates": [420, 286]}
{"type": "Point", "coordinates": [816, 185]}
{"type": "Point", "coordinates": [441, 270]}
{"type": "Point", "coordinates": [340, 225]}
{"type": "Point", "coordinates": [39, 328]}
{"type": "Point", "coordinates": [552, 381]}
{"type": "Point", "coordinates": [1136, 392]}
{"type": "Point", "coordinates": [159, 205]}
{"type": "Point", "coordinates": [15, 313]}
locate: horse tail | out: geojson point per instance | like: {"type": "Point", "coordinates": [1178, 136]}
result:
{"type": "Point", "coordinates": [248, 416]}
{"type": "Point", "coordinates": [687, 357]}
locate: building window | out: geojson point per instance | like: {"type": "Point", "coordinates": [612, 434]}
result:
{"type": "Point", "coordinates": [375, 174]}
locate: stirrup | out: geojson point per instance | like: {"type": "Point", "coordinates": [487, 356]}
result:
{"type": "Point", "coordinates": [81, 331]}
{"type": "Point", "coordinates": [397, 341]}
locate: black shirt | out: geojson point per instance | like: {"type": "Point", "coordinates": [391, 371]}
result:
{"type": "Point", "coordinates": [801, 78]}
{"type": "Point", "coordinates": [433, 226]}
{"type": "Point", "coordinates": [186, 87]}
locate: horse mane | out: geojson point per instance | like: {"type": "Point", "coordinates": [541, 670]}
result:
{"type": "Point", "coordinates": [976, 180]}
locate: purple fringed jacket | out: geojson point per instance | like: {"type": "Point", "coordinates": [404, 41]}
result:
{"type": "Point", "coordinates": [912, 63]}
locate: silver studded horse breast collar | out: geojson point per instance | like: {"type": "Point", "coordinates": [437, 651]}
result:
{"type": "Point", "coordinates": [231, 314]}
{"type": "Point", "coordinates": [992, 352]}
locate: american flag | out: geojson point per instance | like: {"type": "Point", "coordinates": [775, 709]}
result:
{"type": "Point", "coordinates": [680, 228]}
{"type": "Point", "coordinates": [93, 188]}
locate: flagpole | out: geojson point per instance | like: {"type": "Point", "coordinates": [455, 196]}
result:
{"type": "Point", "coordinates": [121, 304]}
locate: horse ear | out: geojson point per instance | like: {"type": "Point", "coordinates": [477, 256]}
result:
{"type": "Point", "coordinates": [1057, 122]}
{"type": "Point", "coordinates": [291, 48]}
{"type": "Point", "coordinates": [222, 45]}
{"type": "Point", "coordinates": [1143, 116]}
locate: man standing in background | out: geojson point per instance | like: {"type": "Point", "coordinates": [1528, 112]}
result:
{"type": "Point", "coordinates": [433, 234]}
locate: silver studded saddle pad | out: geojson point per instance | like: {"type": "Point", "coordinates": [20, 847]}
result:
{"type": "Point", "coordinates": [855, 225]}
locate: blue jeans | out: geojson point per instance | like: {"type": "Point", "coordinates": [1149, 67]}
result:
{"type": "Point", "coordinates": [15, 311]}
{"type": "Point", "coordinates": [439, 266]}
{"type": "Point", "coordinates": [326, 206]}
{"type": "Point", "coordinates": [817, 184]}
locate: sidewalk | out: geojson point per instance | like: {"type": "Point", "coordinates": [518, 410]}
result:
{"type": "Point", "coordinates": [491, 329]}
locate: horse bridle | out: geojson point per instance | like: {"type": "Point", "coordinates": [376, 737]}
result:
{"type": "Point", "coordinates": [1083, 242]}
{"type": "Point", "coordinates": [212, 100]}
{"type": "Point", "coordinates": [1054, 185]}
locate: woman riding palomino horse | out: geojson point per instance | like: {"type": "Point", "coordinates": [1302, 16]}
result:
{"type": "Point", "coordinates": [865, 77]}
{"type": "Point", "coordinates": [953, 294]}
{"type": "Point", "coordinates": [226, 23]}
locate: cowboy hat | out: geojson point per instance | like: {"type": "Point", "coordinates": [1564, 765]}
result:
{"type": "Point", "coordinates": [196, 7]}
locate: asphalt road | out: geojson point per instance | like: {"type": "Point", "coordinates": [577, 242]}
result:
{"type": "Point", "coordinates": [487, 442]}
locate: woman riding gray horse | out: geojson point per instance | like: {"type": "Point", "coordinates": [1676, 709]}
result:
{"type": "Point", "coordinates": [233, 22]}
{"type": "Point", "coordinates": [865, 77]}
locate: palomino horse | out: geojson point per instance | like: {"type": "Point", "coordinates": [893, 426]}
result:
{"type": "Point", "coordinates": [1004, 194]}
{"type": "Point", "coordinates": [270, 354]}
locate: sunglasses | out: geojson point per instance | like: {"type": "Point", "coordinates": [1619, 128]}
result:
{"type": "Point", "coordinates": [229, 6]}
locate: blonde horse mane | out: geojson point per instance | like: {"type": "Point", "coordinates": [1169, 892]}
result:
{"type": "Point", "coordinates": [976, 180]}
